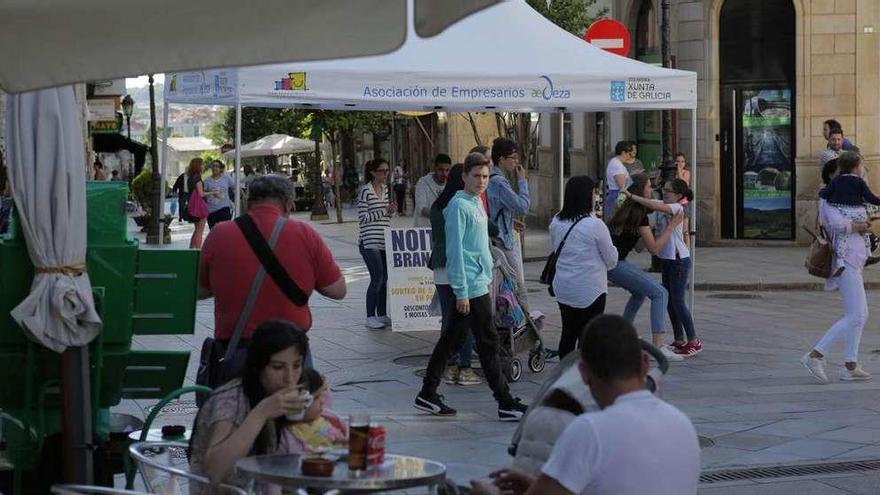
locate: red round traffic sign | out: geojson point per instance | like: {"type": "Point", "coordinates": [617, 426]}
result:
{"type": "Point", "coordinates": [609, 35]}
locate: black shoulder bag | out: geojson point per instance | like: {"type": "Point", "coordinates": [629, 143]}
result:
{"type": "Point", "coordinates": [549, 272]}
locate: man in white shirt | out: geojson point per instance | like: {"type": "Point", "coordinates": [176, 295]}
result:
{"type": "Point", "coordinates": [617, 175]}
{"type": "Point", "coordinates": [635, 444]}
{"type": "Point", "coordinates": [835, 147]}
{"type": "Point", "coordinates": [428, 188]}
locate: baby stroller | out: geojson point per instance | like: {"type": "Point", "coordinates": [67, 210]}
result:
{"type": "Point", "coordinates": [519, 331]}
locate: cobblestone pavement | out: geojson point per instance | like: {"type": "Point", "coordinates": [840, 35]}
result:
{"type": "Point", "coordinates": [746, 392]}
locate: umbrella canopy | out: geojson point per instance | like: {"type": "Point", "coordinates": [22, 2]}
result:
{"type": "Point", "coordinates": [52, 42]}
{"type": "Point", "coordinates": [46, 163]}
{"type": "Point", "coordinates": [467, 67]}
{"type": "Point", "coordinates": [274, 145]}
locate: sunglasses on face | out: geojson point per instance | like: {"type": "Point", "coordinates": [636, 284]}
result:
{"type": "Point", "coordinates": [381, 170]}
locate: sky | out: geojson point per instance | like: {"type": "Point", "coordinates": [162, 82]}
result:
{"type": "Point", "coordinates": [140, 82]}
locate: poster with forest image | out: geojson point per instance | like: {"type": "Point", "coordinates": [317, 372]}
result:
{"type": "Point", "coordinates": [767, 164]}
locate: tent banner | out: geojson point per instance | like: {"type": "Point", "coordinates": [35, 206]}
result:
{"type": "Point", "coordinates": [212, 87]}
{"type": "Point", "coordinates": [394, 90]}
{"type": "Point", "coordinates": [410, 280]}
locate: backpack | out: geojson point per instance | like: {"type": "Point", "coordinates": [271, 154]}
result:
{"type": "Point", "coordinates": [818, 262]}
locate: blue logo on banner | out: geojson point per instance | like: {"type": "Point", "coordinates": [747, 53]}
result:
{"type": "Point", "coordinates": [618, 90]}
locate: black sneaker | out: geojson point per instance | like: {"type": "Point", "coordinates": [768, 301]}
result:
{"type": "Point", "coordinates": [511, 409]}
{"type": "Point", "coordinates": [433, 404]}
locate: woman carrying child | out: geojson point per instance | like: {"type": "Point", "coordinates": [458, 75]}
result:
{"type": "Point", "coordinates": [849, 233]}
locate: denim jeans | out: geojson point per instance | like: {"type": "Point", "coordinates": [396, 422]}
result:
{"type": "Point", "coordinates": [610, 204]}
{"type": "Point", "coordinates": [641, 285]}
{"type": "Point", "coordinates": [376, 292]}
{"type": "Point", "coordinates": [675, 279]}
{"type": "Point", "coordinates": [447, 304]}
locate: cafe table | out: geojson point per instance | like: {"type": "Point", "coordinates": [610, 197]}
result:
{"type": "Point", "coordinates": [396, 473]}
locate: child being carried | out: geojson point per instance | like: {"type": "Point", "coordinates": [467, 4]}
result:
{"type": "Point", "coordinates": [848, 192]}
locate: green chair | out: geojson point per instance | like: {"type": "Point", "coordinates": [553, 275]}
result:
{"type": "Point", "coordinates": [131, 470]}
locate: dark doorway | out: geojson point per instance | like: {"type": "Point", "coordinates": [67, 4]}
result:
{"type": "Point", "coordinates": [757, 58]}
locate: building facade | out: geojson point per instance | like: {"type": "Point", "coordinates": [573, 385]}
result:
{"type": "Point", "coordinates": [770, 72]}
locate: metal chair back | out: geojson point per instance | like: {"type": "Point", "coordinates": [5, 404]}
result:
{"type": "Point", "coordinates": [165, 469]}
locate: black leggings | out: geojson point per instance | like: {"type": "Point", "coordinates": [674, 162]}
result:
{"type": "Point", "coordinates": [479, 321]}
{"type": "Point", "coordinates": [574, 320]}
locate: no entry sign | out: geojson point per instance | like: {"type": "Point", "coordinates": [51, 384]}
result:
{"type": "Point", "coordinates": [609, 35]}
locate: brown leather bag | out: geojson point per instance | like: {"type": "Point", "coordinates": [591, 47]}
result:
{"type": "Point", "coordinates": [818, 262]}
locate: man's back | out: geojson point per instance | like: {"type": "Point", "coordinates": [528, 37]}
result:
{"type": "Point", "coordinates": [228, 267]}
{"type": "Point", "coordinates": [640, 444]}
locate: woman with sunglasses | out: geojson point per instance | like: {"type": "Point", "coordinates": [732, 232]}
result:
{"type": "Point", "coordinates": [374, 213]}
{"type": "Point", "coordinates": [676, 263]}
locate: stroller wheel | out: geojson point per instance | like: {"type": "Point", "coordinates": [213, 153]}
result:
{"type": "Point", "coordinates": [537, 361]}
{"type": "Point", "coordinates": [514, 370]}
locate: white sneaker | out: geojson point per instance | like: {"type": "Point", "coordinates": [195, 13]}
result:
{"type": "Point", "coordinates": [816, 367]}
{"type": "Point", "coordinates": [669, 354]}
{"type": "Point", "coordinates": [856, 375]}
{"type": "Point", "coordinates": [375, 322]}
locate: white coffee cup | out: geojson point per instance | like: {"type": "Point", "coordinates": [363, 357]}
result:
{"type": "Point", "coordinates": [298, 416]}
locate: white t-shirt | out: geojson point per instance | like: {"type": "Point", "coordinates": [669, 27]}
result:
{"type": "Point", "coordinates": [638, 445]}
{"type": "Point", "coordinates": [582, 266]}
{"type": "Point", "coordinates": [615, 167]}
{"type": "Point", "coordinates": [427, 191]}
{"type": "Point", "coordinates": [675, 244]}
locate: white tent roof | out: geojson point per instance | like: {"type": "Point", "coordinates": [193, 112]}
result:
{"type": "Point", "coordinates": [274, 145]}
{"type": "Point", "coordinates": [504, 58]}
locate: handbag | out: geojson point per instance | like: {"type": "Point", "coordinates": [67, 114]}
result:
{"type": "Point", "coordinates": [818, 262]}
{"type": "Point", "coordinates": [220, 361]}
{"type": "Point", "coordinates": [196, 206]}
{"type": "Point", "coordinates": [549, 271]}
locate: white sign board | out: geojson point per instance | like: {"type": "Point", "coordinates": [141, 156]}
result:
{"type": "Point", "coordinates": [410, 280]}
{"type": "Point", "coordinates": [102, 109]}
{"type": "Point", "coordinates": [212, 87]}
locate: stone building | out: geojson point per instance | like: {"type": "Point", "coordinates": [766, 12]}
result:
{"type": "Point", "coordinates": [769, 73]}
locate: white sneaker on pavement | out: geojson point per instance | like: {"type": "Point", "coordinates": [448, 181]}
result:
{"type": "Point", "coordinates": [375, 322]}
{"type": "Point", "coordinates": [669, 354]}
{"type": "Point", "coordinates": [816, 367]}
{"type": "Point", "coordinates": [854, 375]}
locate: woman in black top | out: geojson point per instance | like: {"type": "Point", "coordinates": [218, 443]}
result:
{"type": "Point", "coordinates": [629, 225]}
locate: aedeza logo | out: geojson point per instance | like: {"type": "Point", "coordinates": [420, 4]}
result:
{"type": "Point", "coordinates": [295, 81]}
{"type": "Point", "coordinates": [549, 92]}
{"type": "Point", "coordinates": [618, 90]}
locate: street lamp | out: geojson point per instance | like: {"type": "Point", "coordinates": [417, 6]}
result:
{"type": "Point", "coordinates": [127, 110]}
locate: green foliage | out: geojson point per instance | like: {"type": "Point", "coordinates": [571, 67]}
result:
{"type": "Point", "coordinates": [574, 16]}
{"type": "Point", "coordinates": [217, 130]}
{"type": "Point", "coordinates": [142, 188]}
{"type": "Point", "coordinates": [210, 156]}
{"type": "Point", "coordinates": [259, 122]}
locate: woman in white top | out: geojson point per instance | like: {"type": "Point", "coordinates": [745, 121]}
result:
{"type": "Point", "coordinates": [852, 291]}
{"type": "Point", "coordinates": [374, 212]}
{"type": "Point", "coordinates": [581, 280]}
{"type": "Point", "coordinates": [676, 264]}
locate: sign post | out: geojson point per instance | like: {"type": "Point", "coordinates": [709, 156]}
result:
{"type": "Point", "coordinates": [609, 35]}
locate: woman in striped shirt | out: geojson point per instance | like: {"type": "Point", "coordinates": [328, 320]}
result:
{"type": "Point", "coordinates": [374, 212]}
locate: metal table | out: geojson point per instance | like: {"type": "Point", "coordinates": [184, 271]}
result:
{"type": "Point", "coordinates": [398, 472]}
{"type": "Point", "coordinates": [155, 435]}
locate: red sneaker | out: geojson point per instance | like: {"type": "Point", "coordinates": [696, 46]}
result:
{"type": "Point", "coordinates": [679, 348]}
{"type": "Point", "coordinates": [693, 348]}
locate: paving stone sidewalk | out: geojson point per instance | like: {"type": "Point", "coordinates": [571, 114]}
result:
{"type": "Point", "coordinates": [746, 392]}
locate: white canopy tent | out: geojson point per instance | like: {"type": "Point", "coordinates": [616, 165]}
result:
{"type": "Point", "coordinates": [534, 66]}
{"type": "Point", "coordinates": [274, 145]}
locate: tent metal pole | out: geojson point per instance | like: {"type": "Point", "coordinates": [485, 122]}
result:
{"type": "Point", "coordinates": [560, 157]}
{"type": "Point", "coordinates": [76, 385]}
{"type": "Point", "coordinates": [693, 222]}
{"type": "Point", "coordinates": [163, 167]}
{"type": "Point", "coordinates": [238, 211]}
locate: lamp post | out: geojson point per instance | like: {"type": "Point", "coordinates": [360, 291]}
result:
{"type": "Point", "coordinates": [127, 110]}
{"type": "Point", "coordinates": [154, 229]}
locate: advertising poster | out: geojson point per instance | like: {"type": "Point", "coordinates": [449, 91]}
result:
{"type": "Point", "coordinates": [767, 164]}
{"type": "Point", "coordinates": [410, 280]}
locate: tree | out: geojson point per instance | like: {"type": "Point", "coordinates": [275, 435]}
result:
{"type": "Point", "coordinates": [260, 122]}
{"type": "Point", "coordinates": [574, 16]}
{"type": "Point", "coordinates": [338, 126]}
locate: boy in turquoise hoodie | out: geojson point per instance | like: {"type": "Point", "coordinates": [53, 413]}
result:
{"type": "Point", "coordinates": [469, 267]}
